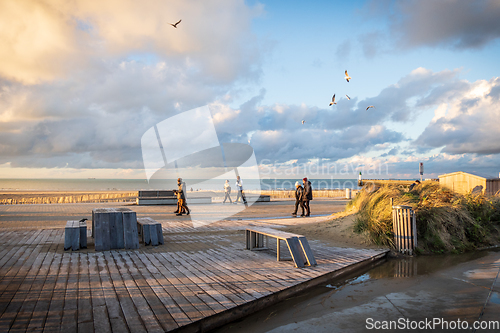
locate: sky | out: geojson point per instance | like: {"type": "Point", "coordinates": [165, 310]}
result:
{"type": "Point", "coordinates": [82, 81]}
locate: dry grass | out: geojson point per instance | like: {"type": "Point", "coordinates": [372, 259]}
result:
{"type": "Point", "coordinates": [446, 221]}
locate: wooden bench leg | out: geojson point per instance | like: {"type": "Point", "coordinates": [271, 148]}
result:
{"type": "Point", "coordinates": [278, 250]}
{"type": "Point", "coordinates": [83, 235]}
{"type": "Point", "coordinates": [296, 251]}
{"type": "Point", "coordinates": [159, 232]}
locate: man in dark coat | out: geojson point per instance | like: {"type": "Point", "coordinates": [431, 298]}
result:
{"type": "Point", "coordinates": [308, 195]}
{"type": "Point", "coordinates": [299, 199]}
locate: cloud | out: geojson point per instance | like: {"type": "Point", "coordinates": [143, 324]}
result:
{"type": "Point", "coordinates": [81, 81]}
{"type": "Point", "coordinates": [50, 40]}
{"type": "Point", "coordinates": [453, 23]}
{"type": "Point", "coordinates": [468, 123]}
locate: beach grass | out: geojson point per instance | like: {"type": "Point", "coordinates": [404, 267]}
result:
{"type": "Point", "coordinates": [446, 221]}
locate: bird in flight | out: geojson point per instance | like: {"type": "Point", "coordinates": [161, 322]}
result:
{"type": "Point", "coordinates": [82, 220]}
{"type": "Point", "coordinates": [371, 106]}
{"type": "Point", "coordinates": [347, 77]}
{"type": "Point", "coordinates": [303, 122]}
{"type": "Point", "coordinates": [175, 24]}
{"type": "Point", "coordinates": [349, 98]}
{"type": "Point", "coordinates": [333, 100]}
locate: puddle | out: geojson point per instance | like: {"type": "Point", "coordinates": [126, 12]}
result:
{"type": "Point", "coordinates": [390, 277]}
{"type": "Point", "coordinates": [495, 298]}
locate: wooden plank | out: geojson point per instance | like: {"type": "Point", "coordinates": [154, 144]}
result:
{"type": "Point", "coordinates": [205, 281]}
{"type": "Point", "coordinates": [162, 315]}
{"type": "Point", "coordinates": [22, 283]}
{"type": "Point", "coordinates": [75, 236]}
{"type": "Point", "coordinates": [160, 286]}
{"type": "Point", "coordinates": [101, 235]}
{"type": "Point", "coordinates": [69, 322]}
{"type": "Point", "coordinates": [54, 314]}
{"type": "Point", "coordinates": [116, 230]}
{"type": "Point", "coordinates": [83, 234]}
{"type": "Point", "coordinates": [174, 289]}
{"type": "Point", "coordinates": [114, 310]}
{"type": "Point", "coordinates": [182, 284]}
{"type": "Point", "coordinates": [131, 238]}
{"type": "Point", "coordinates": [159, 232]}
{"type": "Point", "coordinates": [192, 282]}
{"type": "Point", "coordinates": [307, 251]}
{"type": "Point", "coordinates": [25, 313]}
{"type": "Point", "coordinates": [147, 316]}
{"type": "Point", "coordinates": [131, 316]}
{"type": "Point", "coordinates": [41, 309]}
{"type": "Point", "coordinates": [84, 315]}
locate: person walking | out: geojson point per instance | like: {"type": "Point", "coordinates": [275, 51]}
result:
{"type": "Point", "coordinates": [227, 192]}
{"type": "Point", "coordinates": [299, 198]}
{"type": "Point", "coordinates": [181, 198]}
{"type": "Point", "coordinates": [308, 195]}
{"type": "Point", "coordinates": [239, 187]}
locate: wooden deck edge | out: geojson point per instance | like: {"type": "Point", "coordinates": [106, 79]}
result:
{"type": "Point", "coordinates": [209, 323]}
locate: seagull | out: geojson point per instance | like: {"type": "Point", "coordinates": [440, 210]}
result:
{"type": "Point", "coordinates": [333, 100]}
{"type": "Point", "coordinates": [349, 98]}
{"type": "Point", "coordinates": [371, 106]}
{"type": "Point", "coordinates": [82, 220]}
{"type": "Point", "coordinates": [347, 77]}
{"type": "Point", "coordinates": [303, 122]}
{"type": "Point", "coordinates": [175, 24]}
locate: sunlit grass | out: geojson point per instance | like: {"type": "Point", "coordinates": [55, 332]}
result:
{"type": "Point", "coordinates": [446, 221]}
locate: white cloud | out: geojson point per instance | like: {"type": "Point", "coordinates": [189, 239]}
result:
{"type": "Point", "coordinates": [468, 123]}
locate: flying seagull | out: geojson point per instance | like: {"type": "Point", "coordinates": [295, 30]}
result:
{"type": "Point", "coordinates": [303, 122]}
{"type": "Point", "coordinates": [175, 24]}
{"type": "Point", "coordinates": [349, 98]}
{"type": "Point", "coordinates": [82, 220]}
{"type": "Point", "coordinates": [333, 100]}
{"type": "Point", "coordinates": [371, 106]}
{"type": "Point", "coordinates": [347, 77]}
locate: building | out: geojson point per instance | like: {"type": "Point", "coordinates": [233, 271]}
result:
{"type": "Point", "coordinates": [463, 182]}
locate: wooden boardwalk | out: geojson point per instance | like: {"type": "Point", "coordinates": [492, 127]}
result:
{"type": "Point", "coordinates": [201, 278]}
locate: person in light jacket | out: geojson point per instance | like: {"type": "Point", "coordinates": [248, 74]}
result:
{"type": "Point", "coordinates": [299, 198]}
{"type": "Point", "coordinates": [227, 192]}
{"type": "Point", "coordinates": [239, 187]}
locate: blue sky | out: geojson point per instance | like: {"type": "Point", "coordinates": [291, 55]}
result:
{"type": "Point", "coordinates": [81, 82]}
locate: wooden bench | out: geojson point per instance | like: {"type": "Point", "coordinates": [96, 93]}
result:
{"type": "Point", "coordinates": [302, 255]}
{"type": "Point", "coordinates": [75, 235]}
{"type": "Point", "coordinates": [150, 231]}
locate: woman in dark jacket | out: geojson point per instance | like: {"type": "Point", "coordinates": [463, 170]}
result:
{"type": "Point", "coordinates": [308, 195]}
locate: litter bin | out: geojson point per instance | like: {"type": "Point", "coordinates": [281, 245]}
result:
{"type": "Point", "coordinates": [405, 229]}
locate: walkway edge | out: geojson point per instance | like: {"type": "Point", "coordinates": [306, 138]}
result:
{"type": "Point", "coordinates": [209, 323]}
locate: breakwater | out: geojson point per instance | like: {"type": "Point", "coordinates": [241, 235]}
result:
{"type": "Point", "coordinates": [17, 198]}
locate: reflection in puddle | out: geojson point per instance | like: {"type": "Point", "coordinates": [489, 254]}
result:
{"type": "Point", "coordinates": [495, 298]}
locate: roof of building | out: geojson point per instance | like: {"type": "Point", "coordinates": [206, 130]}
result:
{"type": "Point", "coordinates": [475, 174]}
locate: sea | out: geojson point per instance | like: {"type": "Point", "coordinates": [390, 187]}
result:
{"type": "Point", "coordinates": [93, 184]}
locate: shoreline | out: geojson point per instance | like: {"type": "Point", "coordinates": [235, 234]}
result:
{"type": "Point", "coordinates": [24, 197]}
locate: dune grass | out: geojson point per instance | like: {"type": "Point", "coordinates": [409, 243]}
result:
{"type": "Point", "coordinates": [446, 221]}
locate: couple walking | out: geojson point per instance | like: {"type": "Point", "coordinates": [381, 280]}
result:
{"type": "Point", "coordinates": [302, 197]}
{"type": "Point", "coordinates": [239, 186]}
